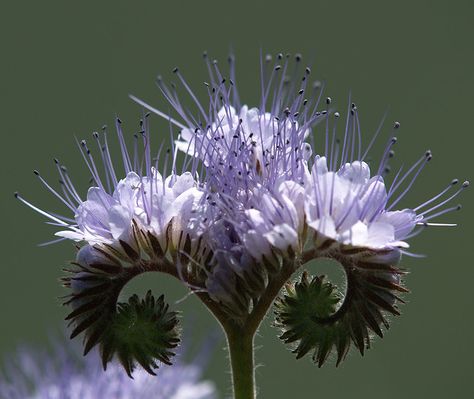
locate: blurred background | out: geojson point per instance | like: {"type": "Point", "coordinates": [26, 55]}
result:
{"type": "Point", "coordinates": [67, 68]}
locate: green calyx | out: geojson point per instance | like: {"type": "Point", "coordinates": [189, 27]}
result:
{"type": "Point", "coordinates": [316, 317]}
{"type": "Point", "coordinates": [142, 331]}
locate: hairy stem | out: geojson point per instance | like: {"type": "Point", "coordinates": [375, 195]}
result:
{"type": "Point", "coordinates": [241, 351]}
{"type": "Point", "coordinates": [266, 300]}
{"type": "Point", "coordinates": [240, 338]}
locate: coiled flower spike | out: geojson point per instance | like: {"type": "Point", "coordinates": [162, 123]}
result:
{"type": "Point", "coordinates": [260, 194]}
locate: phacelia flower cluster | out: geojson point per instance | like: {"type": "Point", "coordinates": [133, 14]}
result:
{"type": "Point", "coordinates": [64, 374]}
{"type": "Point", "coordinates": [262, 190]}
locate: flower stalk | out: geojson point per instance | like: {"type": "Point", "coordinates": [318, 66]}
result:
{"type": "Point", "coordinates": [241, 350]}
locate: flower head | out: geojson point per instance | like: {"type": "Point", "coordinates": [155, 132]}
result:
{"type": "Point", "coordinates": [105, 216]}
{"type": "Point", "coordinates": [64, 374]}
{"type": "Point", "coordinates": [263, 190]}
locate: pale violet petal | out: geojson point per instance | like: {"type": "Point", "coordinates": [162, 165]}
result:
{"type": "Point", "coordinates": [380, 234]}
{"type": "Point", "coordinates": [403, 221]}
{"type": "Point", "coordinates": [357, 172]}
{"type": "Point", "coordinates": [324, 226]}
{"type": "Point", "coordinates": [257, 220]}
{"type": "Point", "coordinates": [183, 183]}
{"type": "Point", "coordinates": [255, 244]}
{"type": "Point", "coordinates": [120, 221]}
{"type": "Point", "coordinates": [374, 197]}
{"type": "Point", "coordinates": [282, 236]}
{"type": "Point", "coordinates": [320, 165]}
{"type": "Point", "coordinates": [357, 235]}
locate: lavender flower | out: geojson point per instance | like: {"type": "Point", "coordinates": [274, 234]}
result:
{"type": "Point", "coordinates": [261, 159]}
{"type": "Point", "coordinates": [63, 374]}
{"type": "Point", "coordinates": [272, 200]}
{"type": "Point", "coordinates": [260, 194]}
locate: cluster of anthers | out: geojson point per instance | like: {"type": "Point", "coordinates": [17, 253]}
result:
{"type": "Point", "coordinates": [260, 192]}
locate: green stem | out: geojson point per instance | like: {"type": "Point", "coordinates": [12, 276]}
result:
{"type": "Point", "coordinates": [240, 343]}
{"type": "Point", "coordinates": [240, 338]}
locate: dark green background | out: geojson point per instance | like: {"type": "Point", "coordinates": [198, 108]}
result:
{"type": "Point", "coordinates": [66, 68]}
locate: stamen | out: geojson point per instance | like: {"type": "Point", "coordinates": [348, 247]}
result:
{"type": "Point", "coordinates": [54, 192]}
{"type": "Point", "coordinates": [156, 111]}
{"type": "Point", "coordinates": [125, 156]}
{"type": "Point", "coordinates": [454, 208]}
{"type": "Point", "coordinates": [453, 183]}
{"type": "Point", "coordinates": [191, 93]}
{"type": "Point", "coordinates": [326, 144]}
{"type": "Point", "coordinates": [376, 134]}
{"type": "Point", "coordinates": [426, 159]}
{"type": "Point", "coordinates": [346, 131]}
{"type": "Point", "coordinates": [83, 148]}
{"type": "Point", "coordinates": [463, 187]}
{"type": "Point", "coordinates": [41, 212]}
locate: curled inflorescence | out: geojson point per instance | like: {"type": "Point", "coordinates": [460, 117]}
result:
{"type": "Point", "coordinates": [261, 191]}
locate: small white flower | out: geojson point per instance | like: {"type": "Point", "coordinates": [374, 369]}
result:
{"type": "Point", "coordinates": [349, 206]}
